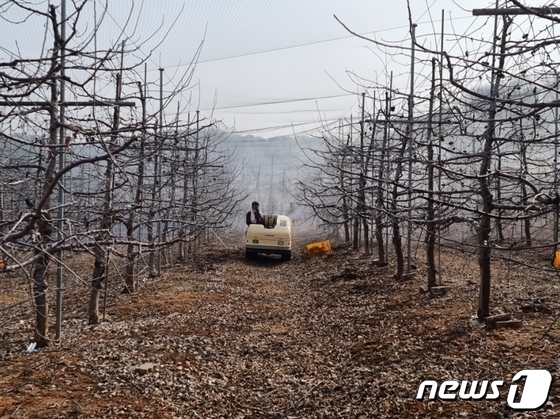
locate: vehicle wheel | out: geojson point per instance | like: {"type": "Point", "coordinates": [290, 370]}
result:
{"type": "Point", "coordinates": [286, 256]}
{"type": "Point", "coordinates": [250, 255]}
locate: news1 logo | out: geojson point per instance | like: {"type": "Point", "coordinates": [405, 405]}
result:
{"type": "Point", "coordinates": [533, 396]}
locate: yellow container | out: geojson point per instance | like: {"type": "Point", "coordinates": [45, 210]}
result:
{"type": "Point", "coordinates": [318, 248]}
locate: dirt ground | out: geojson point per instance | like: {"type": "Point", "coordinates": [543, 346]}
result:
{"type": "Point", "coordinates": [329, 336]}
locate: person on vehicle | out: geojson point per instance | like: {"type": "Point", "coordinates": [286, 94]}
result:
{"type": "Point", "coordinates": [254, 216]}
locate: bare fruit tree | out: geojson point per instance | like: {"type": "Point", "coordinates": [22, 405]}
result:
{"type": "Point", "coordinates": [36, 130]}
{"type": "Point", "coordinates": [478, 154]}
{"type": "Point", "coordinates": [91, 161]}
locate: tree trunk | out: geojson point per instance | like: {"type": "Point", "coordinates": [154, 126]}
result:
{"type": "Point", "coordinates": [44, 223]}
{"type": "Point", "coordinates": [397, 241]}
{"type": "Point", "coordinates": [345, 216]}
{"type": "Point", "coordinates": [528, 238]}
{"type": "Point", "coordinates": [152, 268]}
{"type": "Point", "coordinates": [183, 230]}
{"type": "Point", "coordinates": [365, 225]}
{"type": "Point", "coordinates": [194, 188]}
{"type": "Point", "coordinates": [362, 180]}
{"type": "Point", "coordinates": [499, 227]}
{"type": "Point", "coordinates": [40, 282]}
{"type": "Point", "coordinates": [129, 278]}
{"type": "Point", "coordinates": [100, 264]}
{"type": "Point", "coordinates": [380, 192]}
{"type": "Point", "coordinates": [355, 232]}
{"type": "Point", "coordinates": [379, 235]}
{"type": "Point", "coordinates": [130, 275]}
{"type": "Point", "coordinates": [151, 242]}
{"type": "Point", "coordinates": [98, 276]}
{"type": "Point", "coordinates": [345, 209]}
{"type": "Point", "coordinates": [362, 210]}
{"type": "Point", "coordinates": [527, 221]}
{"type": "Point", "coordinates": [430, 213]}
{"type": "Point", "coordinates": [41, 265]}
{"type": "Point", "coordinates": [485, 228]}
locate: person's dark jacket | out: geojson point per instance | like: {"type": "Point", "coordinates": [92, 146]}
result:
{"type": "Point", "coordinates": [257, 216]}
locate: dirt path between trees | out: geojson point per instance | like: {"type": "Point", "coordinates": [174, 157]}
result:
{"type": "Point", "coordinates": [310, 338]}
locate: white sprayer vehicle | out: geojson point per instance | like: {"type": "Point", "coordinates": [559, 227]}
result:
{"type": "Point", "coordinates": [275, 237]}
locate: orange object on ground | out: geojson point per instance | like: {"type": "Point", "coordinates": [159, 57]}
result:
{"type": "Point", "coordinates": [319, 248]}
{"type": "Point", "coordinates": [556, 261]}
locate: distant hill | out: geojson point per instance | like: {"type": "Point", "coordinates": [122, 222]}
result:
{"type": "Point", "coordinates": [270, 167]}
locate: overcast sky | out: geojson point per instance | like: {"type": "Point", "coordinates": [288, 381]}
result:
{"type": "Point", "coordinates": [270, 64]}
{"type": "Point", "coordinates": [292, 56]}
{"type": "Point", "coordinates": [296, 53]}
